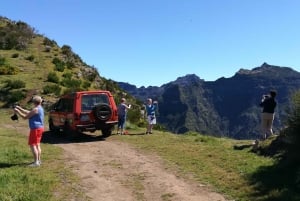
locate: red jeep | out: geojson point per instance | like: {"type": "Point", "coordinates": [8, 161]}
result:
{"type": "Point", "coordinates": [84, 111]}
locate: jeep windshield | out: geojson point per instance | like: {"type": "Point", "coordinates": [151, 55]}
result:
{"type": "Point", "coordinates": [89, 101]}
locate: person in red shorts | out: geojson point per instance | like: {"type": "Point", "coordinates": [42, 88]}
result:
{"type": "Point", "coordinates": [36, 125]}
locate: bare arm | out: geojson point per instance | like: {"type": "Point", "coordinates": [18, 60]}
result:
{"type": "Point", "coordinates": [25, 114]}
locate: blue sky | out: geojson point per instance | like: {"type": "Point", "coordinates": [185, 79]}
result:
{"type": "Point", "coordinates": [152, 42]}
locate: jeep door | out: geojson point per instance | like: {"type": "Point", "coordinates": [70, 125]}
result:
{"type": "Point", "coordinates": [63, 110]}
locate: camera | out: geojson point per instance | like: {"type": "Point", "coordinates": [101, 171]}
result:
{"type": "Point", "coordinates": [15, 105]}
{"type": "Point", "coordinates": [14, 117]}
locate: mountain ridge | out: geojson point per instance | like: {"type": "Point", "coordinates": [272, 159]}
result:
{"type": "Point", "coordinates": [225, 107]}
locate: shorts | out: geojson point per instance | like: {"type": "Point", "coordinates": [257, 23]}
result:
{"type": "Point", "coordinates": [151, 119]}
{"type": "Point", "coordinates": [35, 136]}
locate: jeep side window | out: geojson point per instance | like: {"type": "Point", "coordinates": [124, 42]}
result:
{"type": "Point", "coordinates": [64, 105]}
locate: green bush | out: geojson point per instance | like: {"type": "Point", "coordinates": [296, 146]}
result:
{"type": "Point", "coordinates": [86, 85]}
{"type": "Point", "coordinates": [8, 70]}
{"type": "Point", "coordinates": [70, 65]}
{"type": "Point", "coordinates": [52, 89]}
{"type": "Point", "coordinates": [30, 58]}
{"type": "Point", "coordinates": [14, 84]}
{"type": "Point", "coordinates": [2, 61]}
{"type": "Point", "coordinates": [71, 83]}
{"type": "Point", "coordinates": [134, 116]}
{"type": "Point", "coordinates": [49, 42]}
{"type": "Point", "coordinates": [67, 75]}
{"type": "Point", "coordinates": [15, 55]}
{"type": "Point", "coordinates": [59, 65]}
{"type": "Point", "coordinates": [53, 77]}
{"type": "Point", "coordinates": [293, 128]}
{"type": "Point", "coordinates": [16, 96]}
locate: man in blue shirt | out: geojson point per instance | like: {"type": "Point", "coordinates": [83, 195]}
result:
{"type": "Point", "coordinates": [151, 118]}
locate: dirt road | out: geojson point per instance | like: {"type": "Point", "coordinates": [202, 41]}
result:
{"type": "Point", "coordinates": [110, 170]}
{"type": "Point", "coordinates": [114, 171]}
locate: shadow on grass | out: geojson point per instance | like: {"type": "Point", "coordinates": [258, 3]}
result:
{"type": "Point", "coordinates": [59, 138]}
{"type": "Point", "coordinates": [276, 183]}
{"type": "Point", "coordinates": [9, 165]}
{"type": "Point", "coordinates": [279, 182]}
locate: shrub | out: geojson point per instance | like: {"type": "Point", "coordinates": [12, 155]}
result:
{"type": "Point", "coordinates": [52, 89]}
{"type": "Point", "coordinates": [15, 55]}
{"type": "Point", "coordinates": [8, 70]}
{"type": "Point", "coordinates": [48, 42]}
{"type": "Point", "coordinates": [16, 96]}
{"type": "Point", "coordinates": [67, 75]}
{"type": "Point", "coordinates": [70, 65]}
{"type": "Point", "coordinates": [15, 84]}
{"type": "Point", "coordinates": [2, 61]}
{"type": "Point", "coordinates": [52, 77]}
{"type": "Point", "coordinates": [59, 65]}
{"type": "Point", "coordinates": [293, 128]}
{"type": "Point", "coordinates": [71, 83]}
{"type": "Point", "coordinates": [134, 116]}
{"type": "Point", "coordinates": [66, 50]}
{"type": "Point", "coordinates": [86, 84]}
{"type": "Point", "coordinates": [30, 58]}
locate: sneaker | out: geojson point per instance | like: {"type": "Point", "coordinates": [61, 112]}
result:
{"type": "Point", "coordinates": [34, 164]}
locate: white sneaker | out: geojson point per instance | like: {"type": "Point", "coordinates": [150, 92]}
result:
{"type": "Point", "coordinates": [34, 164]}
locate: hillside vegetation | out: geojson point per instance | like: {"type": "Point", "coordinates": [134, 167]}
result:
{"type": "Point", "coordinates": [31, 63]}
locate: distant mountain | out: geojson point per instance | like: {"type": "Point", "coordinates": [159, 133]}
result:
{"type": "Point", "coordinates": [225, 107]}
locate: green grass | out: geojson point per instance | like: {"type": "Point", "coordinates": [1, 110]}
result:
{"type": "Point", "coordinates": [228, 166]}
{"type": "Point", "coordinates": [52, 181]}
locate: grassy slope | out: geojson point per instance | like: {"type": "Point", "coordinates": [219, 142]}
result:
{"type": "Point", "coordinates": [227, 166]}
{"type": "Point", "coordinates": [53, 181]}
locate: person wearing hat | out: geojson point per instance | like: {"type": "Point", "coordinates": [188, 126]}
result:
{"type": "Point", "coordinates": [36, 124]}
{"type": "Point", "coordinates": [122, 113]}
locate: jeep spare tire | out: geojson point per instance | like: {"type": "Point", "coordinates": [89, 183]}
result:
{"type": "Point", "coordinates": [102, 112]}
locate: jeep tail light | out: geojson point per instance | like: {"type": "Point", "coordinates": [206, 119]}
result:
{"type": "Point", "coordinates": [76, 116]}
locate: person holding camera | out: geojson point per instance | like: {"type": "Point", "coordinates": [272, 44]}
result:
{"type": "Point", "coordinates": [36, 124]}
{"type": "Point", "coordinates": [268, 103]}
{"type": "Point", "coordinates": [122, 113]}
{"type": "Point", "coordinates": [151, 118]}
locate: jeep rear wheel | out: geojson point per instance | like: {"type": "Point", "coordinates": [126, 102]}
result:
{"type": "Point", "coordinates": [102, 112]}
{"type": "Point", "coordinates": [106, 132]}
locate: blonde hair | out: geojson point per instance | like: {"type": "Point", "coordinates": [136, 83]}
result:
{"type": "Point", "coordinates": [37, 99]}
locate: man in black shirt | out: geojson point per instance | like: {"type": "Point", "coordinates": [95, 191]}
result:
{"type": "Point", "coordinates": [268, 103]}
